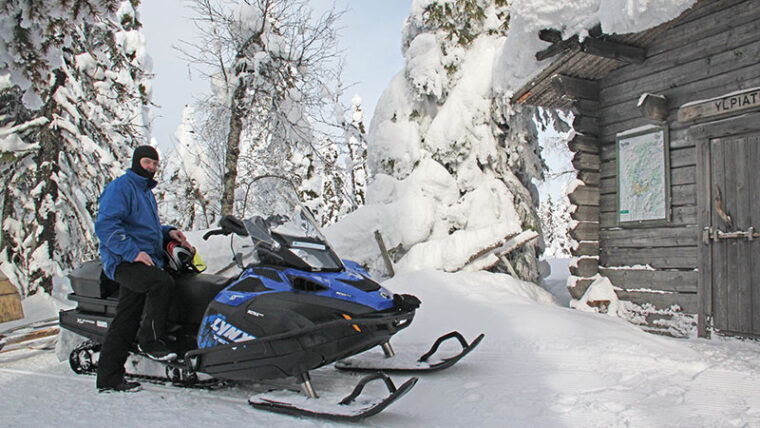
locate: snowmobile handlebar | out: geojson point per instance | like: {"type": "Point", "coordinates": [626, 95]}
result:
{"type": "Point", "coordinates": [211, 233]}
{"type": "Point", "coordinates": [229, 224]}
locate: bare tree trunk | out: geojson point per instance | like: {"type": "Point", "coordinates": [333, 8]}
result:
{"type": "Point", "coordinates": [233, 150]}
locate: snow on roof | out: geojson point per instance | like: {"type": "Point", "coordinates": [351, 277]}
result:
{"type": "Point", "coordinates": [517, 63]}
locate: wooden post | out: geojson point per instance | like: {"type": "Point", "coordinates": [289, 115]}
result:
{"type": "Point", "coordinates": [506, 262]}
{"type": "Point", "coordinates": [384, 252]}
{"type": "Point", "coordinates": [10, 301]}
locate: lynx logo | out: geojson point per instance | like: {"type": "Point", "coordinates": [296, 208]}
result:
{"type": "Point", "coordinates": [227, 332]}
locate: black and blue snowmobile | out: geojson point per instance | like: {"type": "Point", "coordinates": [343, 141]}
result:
{"type": "Point", "coordinates": [294, 307]}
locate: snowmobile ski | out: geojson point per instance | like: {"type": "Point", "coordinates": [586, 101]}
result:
{"type": "Point", "coordinates": [375, 362]}
{"type": "Point", "coordinates": [350, 408]}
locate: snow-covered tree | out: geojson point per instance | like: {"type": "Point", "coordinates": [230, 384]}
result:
{"type": "Point", "coordinates": [76, 100]}
{"type": "Point", "coordinates": [356, 161]}
{"type": "Point", "coordinates": [186, 189]}
{"type": "Point", "coordinates": [270, 62]}
{"type": "Point", "coordinates": [452, 163]}
{"type": "Point", "coordinates": [335, 203]}
{"type": "Point", "coordinates": [555, 225]}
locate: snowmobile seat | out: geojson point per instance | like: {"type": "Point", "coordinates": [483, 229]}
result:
{"type": "Point", "coordinates": [192, 295]}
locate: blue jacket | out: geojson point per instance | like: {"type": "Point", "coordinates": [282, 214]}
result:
{"type": "Point", "coordinates": [128, 222]}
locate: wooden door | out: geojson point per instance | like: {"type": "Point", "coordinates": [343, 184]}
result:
{"type": "Point", "coordinates": [733, 233]}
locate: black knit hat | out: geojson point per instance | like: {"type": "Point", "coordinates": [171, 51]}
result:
{"type": "Point", "coordinates": [143, 152]}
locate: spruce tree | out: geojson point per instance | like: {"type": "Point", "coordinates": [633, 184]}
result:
{"type": "Point", "coordinates": [91, 112]}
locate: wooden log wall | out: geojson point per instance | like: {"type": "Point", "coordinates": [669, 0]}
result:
{"type": "Point", "coordinates": [583, 96]}
{"type": "Point", "coordinates": [713, 52]}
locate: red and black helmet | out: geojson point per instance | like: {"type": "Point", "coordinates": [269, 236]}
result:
{"type": "Point", "coordinates": [180, 257]}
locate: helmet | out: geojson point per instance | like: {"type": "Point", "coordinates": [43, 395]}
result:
{"type": "Point", "coordinates": [181, 258]}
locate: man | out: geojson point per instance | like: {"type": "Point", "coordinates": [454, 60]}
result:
{"type": "Point", "coordinates": [131, 247]}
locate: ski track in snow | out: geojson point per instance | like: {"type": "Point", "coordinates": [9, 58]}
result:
{"type": "Point", "coordinates": [540, 365]}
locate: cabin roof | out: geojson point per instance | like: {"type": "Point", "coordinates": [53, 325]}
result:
{"type": "Point", "coordinates": [589, 59]}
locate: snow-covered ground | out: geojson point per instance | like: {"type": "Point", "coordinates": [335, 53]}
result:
{"type": "Point", "coordinates": [540, 364]}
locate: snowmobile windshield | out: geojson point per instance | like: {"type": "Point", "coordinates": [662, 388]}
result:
{"type": "Point", "coordinates": [279, 212]}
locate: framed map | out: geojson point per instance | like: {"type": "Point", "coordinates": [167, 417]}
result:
{"type": "Point", "coordinates": [643, 176]}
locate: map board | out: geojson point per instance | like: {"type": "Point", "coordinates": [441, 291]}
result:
{"type": "Point", "coordinates": [643, 176]}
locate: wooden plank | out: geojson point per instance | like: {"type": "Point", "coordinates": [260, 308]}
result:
{"type": "Point", "coordinates": [619, 99]}
{"type": "Point", "coordinates": [683, 215]}
{"type": "Point", "coordinates": [650, 237]}
{"type": "Point", "coordinates": [585, 231]}
{"type": "Point", "coordinates": [384, 253]}
{"type": "Point", "coordinates": [754, 197]}
{"type": "Point", "coordinates": [608, 185]}
{"type": "Point", "coordinates": [10, 301]}
{"type": "Point", "coordinates": [585, 162]}
{"type": "Point", "coordinates": [584, 143]}
{"type": "Point", "coordinates": [590, 178]}
{"type": "Point", "coordinates": [586, 125]}
{"type": "Point", "coordinates": [539, 88]}
{"type": "Point", "coordinates": [743, 101]}
{"type": "Point", "coordinates": [686, 301]}
{"type": "Point", "coordinates": [742, 299]}
{"type": "Point", "coordinates": [586, 248]}
{"type": "Point", "coordinates": [658, 258]}
{"type": "Point", "coordinates": [576, 88]}
{"type": "Point", "coordinates": [584, 195]}
{"type": "Point", "coordinates": [550, 35]}
{"type": "Point", "coordinates": [702, 9]}
{"type": "Point", "coordinates": [704, 260]}
{"type": "Point", "coordinates": [732, 126]}
{"type": "Point", "coordinates": [719, 272]}
{"type": "Point", "coordinates": [583, 107]}
{"type": "Point", "coordinates": [608, 203]}
{"type": "Point", "coordinates": [606, 48]}
{"type": "Point", "coordinates": [662, 280]}
{"type": "Point", "coordinates": [682, 157]}
{"type": "Point", "coordinates": [563, 46]}
{"type": "Point", "coordinates": [679, 91]}
{"type": "Point", "coordinates": [708, 36]}
{"type": "Point", "coordinates": [585, 267]}
{"type": "Point", "coordinates": [589, 212]}
{"type": "Point", "coordinates": [581, 285]}
{"type": "Point", "coordinates": [685, 194]}
{"type": "Point", "coordinates": [587, 215]}
{"type": "Point", "coordinates": [608, 167]}
{"type": "Point", "coordinates": [683, 175]}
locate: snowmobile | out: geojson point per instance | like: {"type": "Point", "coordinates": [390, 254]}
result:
{"type": "Point", "coordinates": [294, 307]}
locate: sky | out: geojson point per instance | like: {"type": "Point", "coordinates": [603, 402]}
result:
{"type": "Point", "coordinates": [370, 38]}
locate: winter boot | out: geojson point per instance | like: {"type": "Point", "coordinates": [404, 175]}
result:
{"type": "Point", "coordinates": [124, 386]}
{"type": "Point", "coordinates": [157, 350]}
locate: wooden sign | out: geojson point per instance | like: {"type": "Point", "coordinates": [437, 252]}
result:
{"type": "Point", "coordinates": [731, 103]}
{"type": "Point", "coordinates": [10, 301]}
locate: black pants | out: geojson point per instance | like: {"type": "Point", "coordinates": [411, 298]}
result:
{"type": "Point", "coordinates": [144, 294]}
